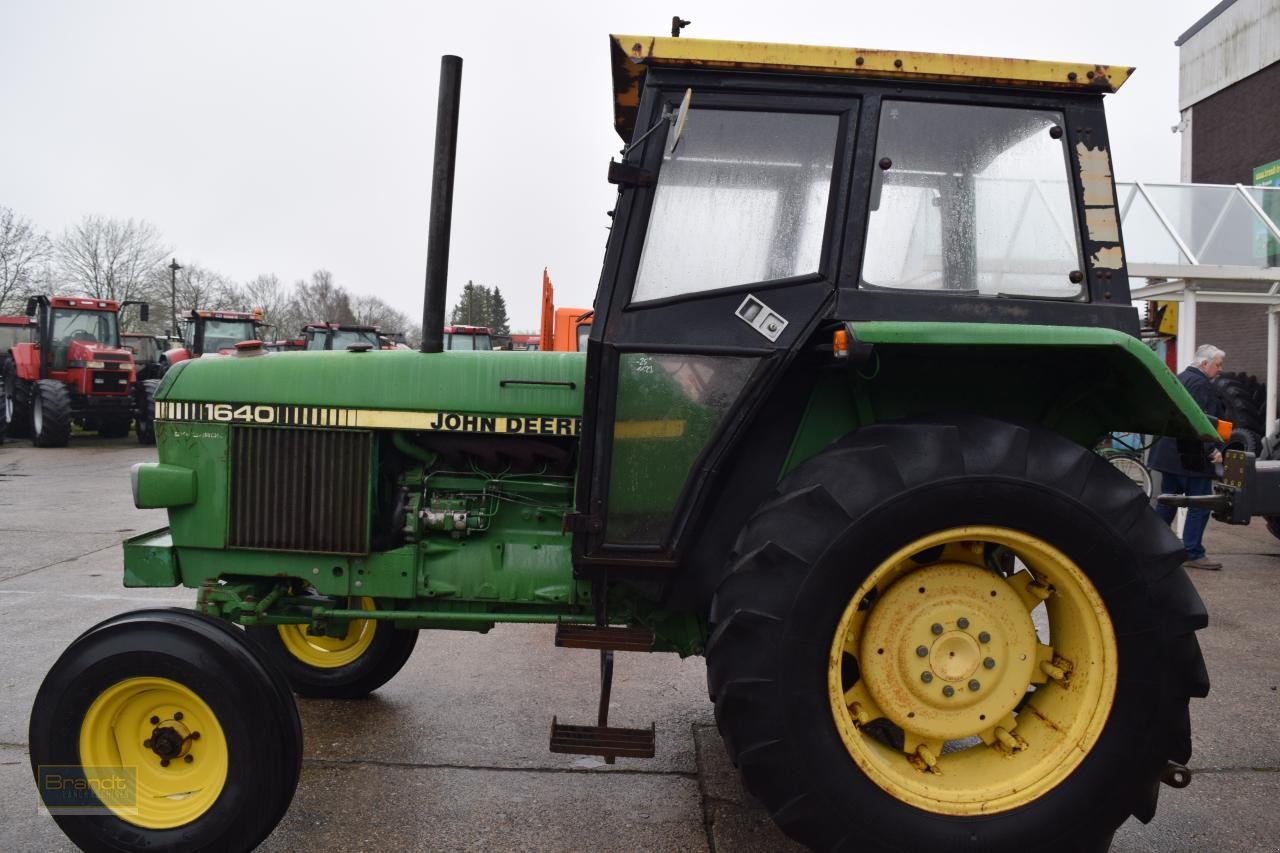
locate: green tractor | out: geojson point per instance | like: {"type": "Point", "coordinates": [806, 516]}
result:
{"type": "Point", "coordinates": [862, 317]}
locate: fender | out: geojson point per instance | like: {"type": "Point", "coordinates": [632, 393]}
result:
{"type": "Point", "coordinates": [26, 358]}
{"type": "Point", "coordinates": [1081, 382]}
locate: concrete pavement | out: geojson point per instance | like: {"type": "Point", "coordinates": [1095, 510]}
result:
{"type": "Point", "coordinates": [452, 754]}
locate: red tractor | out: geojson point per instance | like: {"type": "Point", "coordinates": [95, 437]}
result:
{"type": "Point", "coordinates": [74, 370]}
{"type": "Point", "coordinates": [339, 336]}
{"type": "Point", "coordinates": [203, 333]}
{"type": "Point", "coordinates": [467, 337]}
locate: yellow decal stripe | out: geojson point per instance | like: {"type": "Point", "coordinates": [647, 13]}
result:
{"type": "Point", "coordinates": [624, 430]}
{"type": "Point", "coordinates": [308, 416]}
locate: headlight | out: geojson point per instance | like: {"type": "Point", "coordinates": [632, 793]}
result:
{"type": "Point", "coordinates": [95, 365]}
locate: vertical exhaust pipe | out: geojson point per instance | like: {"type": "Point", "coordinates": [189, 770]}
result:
{"type": "Point", "coordinates": [441, 204]}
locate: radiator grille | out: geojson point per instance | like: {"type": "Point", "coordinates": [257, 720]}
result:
{"type": "Point", "coordinates": [300, 490]}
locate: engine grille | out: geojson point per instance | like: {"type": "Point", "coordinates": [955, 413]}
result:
{"type": "Point", "coordinates": [300, 490]}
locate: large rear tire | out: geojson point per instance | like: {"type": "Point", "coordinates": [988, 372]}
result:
{"type": "Point", "coordinates": [204, 725]}
{"type": "Point", "coordinates": [875, 662]}
{"type": "Point", "coordinates": [366, 657]}
{"type": "Point", "coordinates": [16, 391]}
{"type": "Point", "coordinates": [50, 414]}
{"type": "Point", "coordinates": [146, 412]}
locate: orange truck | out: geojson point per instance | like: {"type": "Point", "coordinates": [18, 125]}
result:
{"type": "Point", "coordinates": [563, 329]}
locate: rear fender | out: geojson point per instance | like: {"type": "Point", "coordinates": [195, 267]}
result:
{"type": "Point", "coordinates": [1080, 382]}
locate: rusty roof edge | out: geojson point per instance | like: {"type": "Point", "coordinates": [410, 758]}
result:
{"type": "Point", "coordinates": [630, 55]}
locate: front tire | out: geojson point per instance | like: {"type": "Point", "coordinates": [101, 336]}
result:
{"type": "Point", "coordinates": [50, 414]}
{"type": "Point", "coordinates": [207, 725]}
{"type": "Point", "coordinates": [899, 551]}
{"type": "Point", "coordinates": [352, 666]}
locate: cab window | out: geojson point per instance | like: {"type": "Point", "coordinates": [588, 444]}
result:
{"type": "Point", "coordinates": [972, 200]}
{"type": "Point", "coordinates": [742, 200]}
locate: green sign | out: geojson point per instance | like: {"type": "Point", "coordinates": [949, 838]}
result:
{"type": "Point", "coordinates": [1268, 175]}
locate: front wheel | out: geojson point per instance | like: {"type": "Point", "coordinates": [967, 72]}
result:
{"type": "Point", "coordinates": [183, 736]}
{"type": "Point", "coordinates": [365, 657]}
{"type": "Point", "coordinates": [50, 414]}
{"type": "Point", "coordinates": [952, 635]}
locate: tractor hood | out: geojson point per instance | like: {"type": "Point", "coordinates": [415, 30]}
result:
{"type": "Point", "coordinates": [84, 351]}
{"type": "Point", "coordinates": [378, 389]}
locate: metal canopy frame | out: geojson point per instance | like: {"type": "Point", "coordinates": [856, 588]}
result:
{"type": "Point", "coordinates": [1196, 243]}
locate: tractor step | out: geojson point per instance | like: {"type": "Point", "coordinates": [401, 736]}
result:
{"type": "Point", "coordinates": [602, 740]}
{"type": "Point", "coordinates": [615, 637]}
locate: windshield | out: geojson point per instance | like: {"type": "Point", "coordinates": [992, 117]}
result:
{"type": "Point", "coordinates": [584, 332]}
{"type": "Point", "coordinates": [344, 338]}
{"type": "Point", "coordinates": [91, 327]}
{"type": "Point", "coordinates": [225, 334]}
{"type": "Point", "coordinates": [457, 340]}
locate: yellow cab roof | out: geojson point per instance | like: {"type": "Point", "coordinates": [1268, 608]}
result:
{"type": "Point", "coordinates": [633, 55]}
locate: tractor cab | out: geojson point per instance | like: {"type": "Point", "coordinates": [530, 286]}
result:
{"type": "Point", "coordinates": [214, 333]}
{"type": "Point", "coordinates": [467, 338]}
{"type": "Point", "coordinates": [339, 336]}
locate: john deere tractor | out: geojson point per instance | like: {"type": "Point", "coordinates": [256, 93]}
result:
{"type": "Point", "coordinates": [862, 317]}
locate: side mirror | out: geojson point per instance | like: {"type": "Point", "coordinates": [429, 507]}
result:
{"type": "Point", "coordinates": [33, 303]}
{"type": "Point", "coordinates": [144, 312]}
{"type": "Point", "coordinates": [682, 115]}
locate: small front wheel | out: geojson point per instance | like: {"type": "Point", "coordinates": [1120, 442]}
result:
{"type": "Point", "coordinates": [365, 657]}
{"type": "Point", "coordinates": [184, 737]}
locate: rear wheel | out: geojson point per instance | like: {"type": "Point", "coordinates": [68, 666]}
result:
{"type": "Point", "coordinates": [181, 706]}
{"type": "Point", "coordinates": [146, 413]}
{"type": "Point", "coordinates": [947, 635]}
{"type": "Point", "coordinates": [50, 414]}
{"type": "Point", "coordinates": [366, 657]}
{"type": "Point", "coordinates": [16, 415]}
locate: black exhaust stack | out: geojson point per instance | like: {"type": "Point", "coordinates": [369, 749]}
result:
{"type": "Point", "coordinates": [441, 203]}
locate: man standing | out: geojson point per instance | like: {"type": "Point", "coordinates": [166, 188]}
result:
{"type": "Point", "coordinates": [1184, 476]}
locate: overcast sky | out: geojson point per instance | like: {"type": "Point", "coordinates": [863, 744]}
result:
{"type": "Point", "coordinates": [282, 137]}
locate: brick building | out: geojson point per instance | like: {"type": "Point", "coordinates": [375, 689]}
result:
{"type": "Point", "coordinates": [1229, 95]}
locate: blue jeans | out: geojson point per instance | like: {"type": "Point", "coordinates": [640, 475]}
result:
{"type": "Point", "coordinates": [1197, 519]}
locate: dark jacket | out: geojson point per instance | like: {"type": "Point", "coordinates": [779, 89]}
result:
{"type": "Point", "coordinates": [1165, 455]}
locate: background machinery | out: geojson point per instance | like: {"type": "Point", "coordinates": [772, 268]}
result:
{"type": "Point", "coordinates": [73, 370]}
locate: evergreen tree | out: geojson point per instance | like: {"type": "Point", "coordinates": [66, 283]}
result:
{"type": "Point", "coordinates": [498, 323]}
{"type": "Point", "coordinates": [472, 307]}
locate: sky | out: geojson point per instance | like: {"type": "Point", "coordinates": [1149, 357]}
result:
{"type": "Point", "coordinates": [283, 137]}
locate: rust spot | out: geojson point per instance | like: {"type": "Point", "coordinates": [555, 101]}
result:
{"type": "Point", "coordinates": [1029, 708]}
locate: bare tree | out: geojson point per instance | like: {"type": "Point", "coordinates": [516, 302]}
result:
{"type": "Point", "coordinates": [320, 300]}
{"type": "Point", "coordinates": [265, 292]}
{"type": "Point", "coordinates": [22, 253]}
{"type": "Point", "coordinates": [372, 311]}
{"type": "Point", "coordinates": [109, 258]}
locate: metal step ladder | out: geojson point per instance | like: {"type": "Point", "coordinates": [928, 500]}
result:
{"type": "Point", "coordinates": [601, 739]}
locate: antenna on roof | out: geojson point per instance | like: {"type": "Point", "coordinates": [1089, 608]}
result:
{"type": "Point", "coordinates": [677, 24]}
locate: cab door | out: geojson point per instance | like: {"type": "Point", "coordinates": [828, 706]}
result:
{"type": "Point", "coordinates": [721, 263]}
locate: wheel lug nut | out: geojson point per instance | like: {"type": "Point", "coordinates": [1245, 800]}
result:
{"type": "Point", "coordinates": [926, 676]}
{"type": "Point", "coordinates": [984, 637]}
{"type": "Point", "coordinates": [974, 685]}
{"type": "Point", "coordinates": [155, 721]}
{"type": "Point", "coordinates": [989, 663]}
{"type": "Point", "coordinates": [196, 735]}
{"type": "Point", "coordinates": [146, 744]}
{"type": "Point", "coordinates": [177, 715]}
{"type": "Point", "coordinates": [164, 762]}
{"type": "Point", "coordinates": [937, 629]}
{"type": "Point", "coordinates": [922, 651]}
{"type": "Point", "coordinates": [948, 691]}
{"type": "Point", "coordinates": [188, 758]}
{"type": "Point", "coordinates": [962, 622]}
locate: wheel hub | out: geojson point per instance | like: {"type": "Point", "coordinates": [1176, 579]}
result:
{"type": "Point", "coordinates": [978, 644]}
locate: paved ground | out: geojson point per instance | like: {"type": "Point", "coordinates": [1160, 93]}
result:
{"type": "Point", "coordinates": [452, 753]}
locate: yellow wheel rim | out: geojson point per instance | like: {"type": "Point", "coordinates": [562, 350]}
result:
{"type": "Point", "coordinates": [330, 652]}
{"type": "Point", "coordinates": [943, 649]}
{"type": "Point", "coordinates": [171, 739]}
